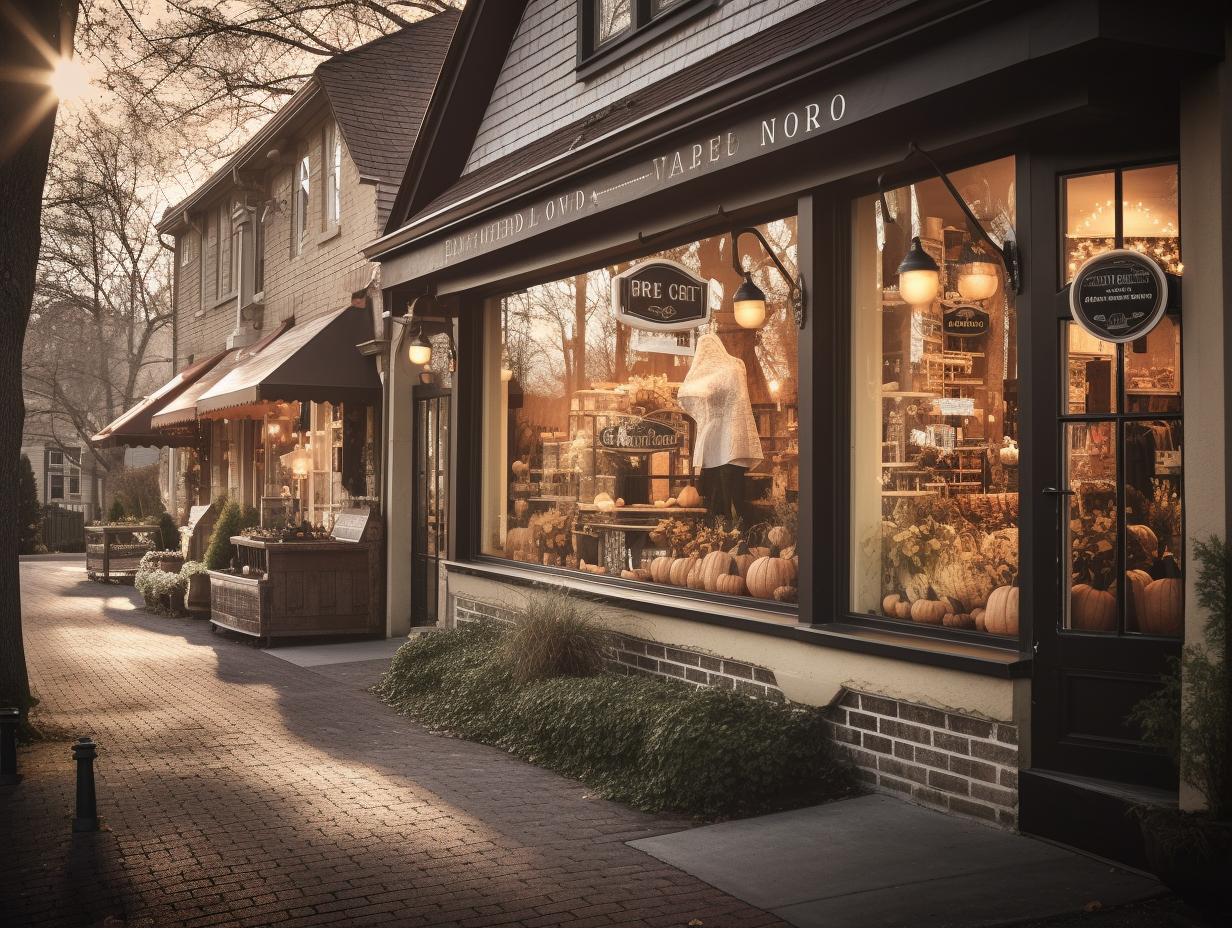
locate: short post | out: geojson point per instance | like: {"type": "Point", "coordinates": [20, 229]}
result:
{"type": "Point", "coordinates": [9, 720]}
{"type": "Point", "coordinates": [87, 808]}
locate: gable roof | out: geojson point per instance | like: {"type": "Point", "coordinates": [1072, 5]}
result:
{"type": "Point", "coordinates": [379, 93]}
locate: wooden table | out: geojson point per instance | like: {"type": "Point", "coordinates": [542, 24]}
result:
{"type": "Point", "coordinates": [111, 557]}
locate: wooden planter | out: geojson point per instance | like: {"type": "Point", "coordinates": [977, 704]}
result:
{"type": "Point", "coordinates": [299, 589]}
{"type": "Point", "coordinates": [114, 552]}
{"type": "Point", "coordinates": [198, 600]}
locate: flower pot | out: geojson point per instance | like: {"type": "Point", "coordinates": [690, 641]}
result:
{"type": "Point", "coordinates": [198, 600]}
{"type": "Point", "coordinates": [177, 603]}
{"type": "Point", "coordinates": [1191, 855]}
{"type": "Point", "coordinates": [171, 564]}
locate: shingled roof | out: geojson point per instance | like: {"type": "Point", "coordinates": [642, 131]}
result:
{"type": "Point", "coordinates": [379, 92]}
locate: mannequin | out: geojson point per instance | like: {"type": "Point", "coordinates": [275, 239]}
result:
{"type": "Point", "coordinates": [715, 393]}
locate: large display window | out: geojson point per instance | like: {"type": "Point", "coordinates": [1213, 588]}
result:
{"type": "Point", "coordinates": [626, 448]}
{"type": "Point", "coordinates": [934, 457]}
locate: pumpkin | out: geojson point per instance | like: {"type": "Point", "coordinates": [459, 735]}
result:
{"type": "Point", "coordinates": [660, 568]}
{"type": "Point", "coordinates": [1009, 454]}
{"type": "Point", "coordinates": [787, 594]}
{"type": "Point", "coordinates": [1091, 610]}
{"type": "Point", "coordinates": [694, 579]}
{"type": "Point", "coordinates": [930, 611]}
{"type": "Point", "coordinates": [890, 603]}
{"type": "Point", "coordinates": [779, 536]}
{"type": "Point", "coordinates": [620, 503]}
{"type": "Point", "coordinates": [767, 574]}
{"type": "Point", "coordinates": [962, 620]}
{"type": "Point", "coordinates": [678, 575]}
{"type": "Point", "coordinates": [762, 551]}
{"type": "Point", "coordinates": [789, 552]}
{"type": "Point", "coordinates": [1135, 586]}
{"type": "Point", "coordinates": [731, 583]}
{"type": "Point", "coordinates": [689, 498]}
{"type": "Point", "coordinates": [714, 565]}
{"type": "Point", "coordinates": [902, 610]}
{"type": "Point", "coordinates": [672, 501]}
{"type": "Point", "coordinates": [1162, 612]}
{"type": "Point", "coordinates": [744, 559]}
{"type": "Point", "coordinates": [977, 616]}
{"type": "Point", "coordinates": [1000, 616]}
{"type": "Point", "coordinates": [1141, 546]}
{"type": "Point", "coordinates": [629, 575]}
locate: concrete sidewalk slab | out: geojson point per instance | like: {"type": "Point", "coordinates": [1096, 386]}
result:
{"type": "Point", "coordinates": [877, 861]}
{"type": "Point", "coordinates": [317, 655]}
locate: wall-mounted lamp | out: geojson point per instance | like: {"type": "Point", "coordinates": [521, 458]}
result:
{"type": "Point", "coordinates": [977, 273]}
{"type": "Point", "coordinates": [976, 270]}
{"type": "Point", "coordinates": [749, 302]}
{"type": "Point", "coordinates": [918, 276]}
{"type": "Point", "coordinates": [424, 308]}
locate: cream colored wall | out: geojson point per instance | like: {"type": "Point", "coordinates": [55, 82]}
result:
{"type": "Point", "coordinates": [808, 674]}
{"type": "Point", "coordinates": [1202, 176]}
{"type": "Point", "coordinates": [399, 486]}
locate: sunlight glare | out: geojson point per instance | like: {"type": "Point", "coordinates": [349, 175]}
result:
{"type": "Point", "coordinates": [69, 79]}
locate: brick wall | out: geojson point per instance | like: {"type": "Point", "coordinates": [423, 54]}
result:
{"type": "Point", "coordinates": [538, 92]}
{"type": "Point", "coordinates": [943, 760]}
{"type": "Point", "coordinates": [638, 655]}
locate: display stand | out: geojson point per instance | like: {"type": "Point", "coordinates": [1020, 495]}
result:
{"type": "Point", "coordinates": [114, 552]}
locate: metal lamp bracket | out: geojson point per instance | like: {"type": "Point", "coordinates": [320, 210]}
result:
{"type": "Point", "coordinates": [797, 285]}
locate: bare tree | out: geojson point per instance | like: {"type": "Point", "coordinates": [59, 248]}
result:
{"type": "Point", "coordinates": [100, 331]}
{"type": "Point", "coordinates": [32, 32]}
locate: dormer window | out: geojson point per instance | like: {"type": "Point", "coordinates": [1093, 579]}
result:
{"type": "Point", "coordinates": [609, 30]}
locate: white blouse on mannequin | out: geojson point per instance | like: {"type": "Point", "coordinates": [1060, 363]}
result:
{"type": "Point", "coordinates": [715, 393]}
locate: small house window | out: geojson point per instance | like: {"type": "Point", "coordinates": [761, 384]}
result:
{"type": "Point", "coordinates": [333, 175]}
{"type": "Point", "coordinates": [610, 29]}
{"type": "Point", "coordinates": [63, 470]}
{"type": "Point", "coordinates": [301, 202]}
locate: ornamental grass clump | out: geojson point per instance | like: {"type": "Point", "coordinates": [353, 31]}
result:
{"type": "Point", "coordinates": [654, 745]}
{"type": "Point", "coordinates": [553, 637]}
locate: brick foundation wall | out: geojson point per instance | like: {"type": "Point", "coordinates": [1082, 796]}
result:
{"type": "Point", "coordinates": [942, 760]}
{"type": "Point", "coordinates": [638, 655]}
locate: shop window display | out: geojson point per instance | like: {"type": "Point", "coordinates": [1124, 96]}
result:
{"type": "Point", "coordinates": [1122, 424]}
{"type": "Point", "coordinates": [934, 386]}
{"type": "Point", "coordinates": [637, 452]}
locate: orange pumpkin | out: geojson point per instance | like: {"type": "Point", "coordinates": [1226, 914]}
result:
{"type": "Point", "coordinates": [890, 603]}
{"type": "Point", "coordinates": [1000, 616]}
{"type": "Point", "coordinates": [977, 616]}
{"type": "Point", "coordinates": [1142, 544]}
{"type": "Point", "coordinates": [787, 594]}
{"type": "Point", "coordinates": [779, 536]}
{"type": "Point", "coordinates": [769, 573]}
{"type": "Point", "coordinates": [694, 579]}
{"type": "Point", "coordinates": [1135, 586]}
{"type": "Point", "coordinates": [678, 575]}
{"type": "Point", "coordinates": [713, 566]}
{"type": "Point", "coordinates": [961, 620]}
{"type": "Point", "coordinates": [731, 583]}
{"type": "Point", "coordinates": [1092, 610]}
{"type": "Point", "coordinates": [689, 498]}
{"type": "Point", "coordinates": [1162, 611]}
{"type": "Point", "coordinates": [930, 611]}
{"type": "Point", "coordinates": [660, 568]}
{"type": "Point", "coordinates": [744, 559]}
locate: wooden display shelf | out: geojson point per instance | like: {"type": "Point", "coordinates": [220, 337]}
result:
{"type": "Point", "coordinates": [110, 559]}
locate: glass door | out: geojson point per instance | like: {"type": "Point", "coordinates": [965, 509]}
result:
{"type": "Point", "coordinates": [430, 542]}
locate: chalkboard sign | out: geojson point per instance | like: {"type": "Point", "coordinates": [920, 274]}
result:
{"type": "Point", "coordinates": [965, 321]}
{"type": "Point", "coordinates": [661, 296]}
{"type": "Point", "coordinates": [635, 434]}
{"type": "Point", "coordinates": [350, 525]}
{"type": "Point", "coordinates": [1119, 295]}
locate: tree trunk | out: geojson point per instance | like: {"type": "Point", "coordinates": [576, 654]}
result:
{"type": "Point", "coordinates": [22, 175]}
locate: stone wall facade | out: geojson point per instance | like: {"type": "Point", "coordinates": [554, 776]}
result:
{"type": "Point", "coordinates": [943, 760]}
{"type": "Point", "coordinates": [639, 655]}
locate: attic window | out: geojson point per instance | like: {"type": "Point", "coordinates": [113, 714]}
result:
{"type": "Point", "coordinates": [610, 30]}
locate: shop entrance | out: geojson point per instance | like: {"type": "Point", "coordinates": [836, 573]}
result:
{"type": "Point", "coordinates": [431, 532]}
{"type": "Point", "coordinates": [1110, 604]}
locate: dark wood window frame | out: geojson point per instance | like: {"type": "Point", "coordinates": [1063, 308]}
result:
{"type": "Point", "coordinates": [594, 59]}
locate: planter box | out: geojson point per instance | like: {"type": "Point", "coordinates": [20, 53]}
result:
{"type": "Point", "coordinates": [299, 589]}
{"type": "Point", "coordinates": [198, 599]}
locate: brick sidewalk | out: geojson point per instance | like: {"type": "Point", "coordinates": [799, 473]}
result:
{"type": "Point", "coordinates": [238, 789]}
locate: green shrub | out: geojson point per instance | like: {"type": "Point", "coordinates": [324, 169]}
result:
{"type": "Point", "coordinates": [29, 510]}
{"type": "Point", "coordinates": [656, 746]}
{"type": "Point", "coordinates": [116, 513]}
{"type": "Point", "coordinates": [168, 532]}
{"type": "Point", "coordinates": [553, 637]}
{"type": "Point", "coordinates": [218, 554]}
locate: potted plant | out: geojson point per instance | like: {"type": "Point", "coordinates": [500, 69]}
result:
{"type": "Point", "coordinates": [1191, 852]}
{"type": "Point", "coordinates": [198, 579]}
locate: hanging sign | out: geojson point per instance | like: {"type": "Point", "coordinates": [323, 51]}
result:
{"type": "Point", "coordinates": [661, 296]}
{"type": "Point", "coordinates": [637, 434]}
{"type": "Point", "coordinates": [965, 321]}
{"type": "Point", "coordinates": [1119, 295]}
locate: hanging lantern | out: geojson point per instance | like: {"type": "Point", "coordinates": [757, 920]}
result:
{"type": "Point", "coordinates": [749, 304]}
{"type": "Point", "coordinates": [977, 275]}
{"type": "Point", "coordinates": [298, 462]}
{"type": "Point", "coordinates": [918, 276]}
{"type": "Point", "coordinates": [420, 348]}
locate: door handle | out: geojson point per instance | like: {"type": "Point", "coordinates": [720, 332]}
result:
{"type": "Point", "coordinates": [1055, 492]}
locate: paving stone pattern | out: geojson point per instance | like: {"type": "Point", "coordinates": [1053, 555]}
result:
{"type": "Point", "coordinates": [241, 790]}
{"type": "Point", "coordinates": [942, 760]}
{"type": "Point", "coordinates": [652, 658]}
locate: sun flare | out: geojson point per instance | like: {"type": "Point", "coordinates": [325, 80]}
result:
{"type": "Point", "coordinates": [69, 79]}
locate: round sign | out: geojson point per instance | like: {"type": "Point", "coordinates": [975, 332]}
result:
{"type": "Point", "coordinates": [1119, 295]}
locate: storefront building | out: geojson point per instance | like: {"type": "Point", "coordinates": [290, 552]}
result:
{"type": "Point", "coordinates": [278, 399]}
{"type": "Point", "coordinates": [765, 342]}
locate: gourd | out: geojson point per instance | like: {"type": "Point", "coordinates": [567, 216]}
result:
{"type": "Point", "coordinates": [890, 603]}
{"type": "Point", "coordinates": [1146, 538]}
{"type": "Point", "coordinates": [930, 611]}
{"type": "Point", "coordinates": [1136, 582]}
{"type": "Point", "coordinates": [761, 551]}
{"type": "Point", "coordinates": [1090, 609]}
{"type": "Point", "coordinates": [787, 594]}
{"type": "Point", "coordinates": [678, 575]}
{"type": "Point", "coordinates": [961, 620]}
{"type": "Point", "coordinates": [788, 552]}
{"type": "Point", "coordinates": [767, 574]}
{"type": "Point", "coordinates": [660, 568]}
{"type": "Point", "coordinates": [779, 536]}
{"type": "Point", "coordinates": [1162, 612]}
{"type": "Point", "coordinates": [714, 565]}
{"type": "Point", "coordinates": [731, 583]}
{"type": "Point", "coordinates": [672, 501]}
{"type": "Point", "coordinates": [902, 610]}
{"type": "Point", "coordinates": [689, 498]}
{"type": "Point", "coordinates": [620, 503]}
{"type": "Point", "coordinates": [977, 616]}
{"type": "Point", "coordinates": [1000, 616]}
{"type": "Point", "coordinates": [744, 559]}
{"type": "Point", "coordinates": [695, 580]}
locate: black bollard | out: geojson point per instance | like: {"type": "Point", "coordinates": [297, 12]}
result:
{"type": "Point", "coordinates": [9, 720]}
{"type": "Point", "coordinates": [87, 807]}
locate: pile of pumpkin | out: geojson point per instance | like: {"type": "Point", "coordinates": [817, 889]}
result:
{"type": "Point", "coordinates": [765, 572]}
{"type": "Point", "coordinates": [1154, 592]}
{"type": "Point", "coordinates": [999, 616]}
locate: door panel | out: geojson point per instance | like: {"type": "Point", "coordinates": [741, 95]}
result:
{"type": "Point", "coordinates": [431, 532]}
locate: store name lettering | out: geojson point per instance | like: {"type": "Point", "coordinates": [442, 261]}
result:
{"type": "Point", "coordinates": [793, 124]}
{"type": "Point", "coordinates": [701, 154]}
{"type": "Point", "coordinates": [488, 235]}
